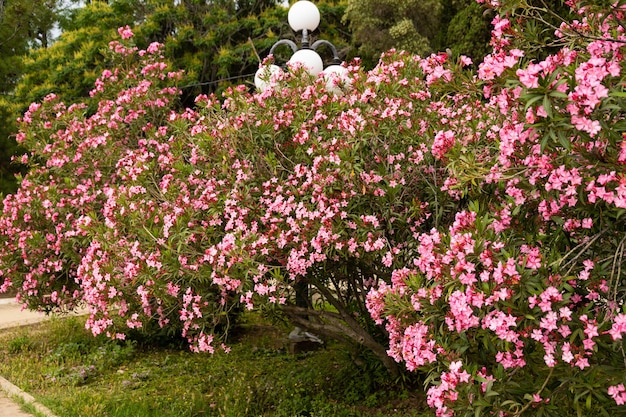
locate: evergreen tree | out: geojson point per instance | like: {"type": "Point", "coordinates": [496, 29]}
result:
{"type": "Point", "coordinates": [378, 25]}
{"type": "Point", "coordinates": [466, 29]}
{"type": "Point", "coordinates": [220, 43]}
{"type": "Point", "coordinates": [217, 43]}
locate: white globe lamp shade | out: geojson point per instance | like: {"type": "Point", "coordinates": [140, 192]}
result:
{"type": "Point", "coordinates": [336, 77]}
{"type": "Point", "coordinates": [264, 77]}
{"type": "Point", "coordinates": [309, 59]}
{"type": "Point", "coordinates": [303, 15]}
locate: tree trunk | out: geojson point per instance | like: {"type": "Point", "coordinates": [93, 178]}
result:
{"type": "Point", "coordinates": [340, 327]}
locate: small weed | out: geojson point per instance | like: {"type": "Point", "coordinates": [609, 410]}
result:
{"type": "Point", "coordinates": [77, 363]}
{"type": "Point", "coordinates": [19, 344]}
{"type": "Point", "coordinates": [66, 352]}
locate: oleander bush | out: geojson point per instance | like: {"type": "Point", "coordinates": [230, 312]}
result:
{"type": "Point", "coordinates": [467, 226]}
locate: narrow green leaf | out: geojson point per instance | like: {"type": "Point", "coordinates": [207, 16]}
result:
{"type": "Point", "coordinates": [492, 394]}
{"type": "Point", "coordinates": [532, 100]}
{"type": "Point", "coordinates": [547, 105]}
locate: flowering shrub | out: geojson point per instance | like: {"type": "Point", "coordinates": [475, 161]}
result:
{"type": "Point", "coordinates": [514, 306]}
{"type": "Point", "coordinates": [73, 157]}
{"type": "Point", "coordinates": [476, 218]}
{"type": "Point", "coordinates": [156, 217]}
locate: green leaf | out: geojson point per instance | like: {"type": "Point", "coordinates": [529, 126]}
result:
{"type": "Point", "coordinates": [492, 394]}
{"type": "Point", "coordinates": [558, 94]}
{"type": "Point", "coordinates": [544, 141]}
{"type": "Point", "coordinates": [558, 220]}
{"type": "Point", "coordinates": [534, 98]}
{"type": "Point", "coordinates": [564, 141]}
{"type": "Point", "coordinates": [547, 105]}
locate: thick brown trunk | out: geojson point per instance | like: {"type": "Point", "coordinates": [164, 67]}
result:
{"type": "Point", "coordinates": [338, 326]}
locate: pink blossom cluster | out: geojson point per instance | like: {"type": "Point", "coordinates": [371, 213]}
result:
{"type": "Point", "coordinates": [445, 392]}
{"type": "Point", "coordinates": [618, 393]}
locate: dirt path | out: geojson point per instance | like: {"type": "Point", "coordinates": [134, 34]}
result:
{"type": "Point", "coordinates": [8, 408]}
{"type": "Point", "coordinates": [11, 315]}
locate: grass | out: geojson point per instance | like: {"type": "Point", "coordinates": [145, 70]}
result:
{"type": "Point", "coordinates": [74, 374]}
{"type": "Point", "coordinates": [28, 407]}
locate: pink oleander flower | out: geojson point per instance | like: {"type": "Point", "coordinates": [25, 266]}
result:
{"type": "Point", "coordinates": [618, 393]}
{"type": "Point", "coordinates": [618, 327]}
{"type": "Point", "coordinates": [125, 32]}
{"type": "Point", "coordinates": [417, 348]}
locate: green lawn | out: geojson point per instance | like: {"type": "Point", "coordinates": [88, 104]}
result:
{"type": "Point", "coordinates": [74, 374]}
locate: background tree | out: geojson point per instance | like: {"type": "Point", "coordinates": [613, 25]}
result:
{"type": "Point", "coordinates": [378, 25]}
{"type": "Point", "coordinates": [70, 66]}
{"type": "Point", "coordinates": [460, 26]}
{"type": "Point", "coordinates": [24, 26]}
{"type": "Point", "coordinates": [220, 44]}
{"type": "Point", "coordinates": [217, 43]}
{"type": "Point", "coordinates": [465, 29]}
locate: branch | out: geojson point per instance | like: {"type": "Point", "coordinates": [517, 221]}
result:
{"type": "Point", "coordinates": [332, 328]}
{"type": "Point", "coordinates": [343, 327]}
{"type": "Point", "coordinates": [11, 36]}
{"type": "Point", "coordinates": [520, 412]}
{"type": "Point", "coordinates": [586, 244]}
{"type": "Point", "coordinates": [617, 263]}
{"type": "Point", "coordinates": [547, 9]}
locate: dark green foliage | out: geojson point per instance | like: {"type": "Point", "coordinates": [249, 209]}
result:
{"type": "Point", "coordinates": [468, 32]}
{"type": "Point", "coordinates": [462, 26]}
{"type": "Point", "coordinates": [220, 44]}
{"type": "Point", "coordinates": [379, 25]}
{"type": "Point", "coordinates": [24, 25]}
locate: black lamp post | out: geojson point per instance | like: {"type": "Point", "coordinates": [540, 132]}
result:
{"type": "Point", "coordinates": [303, 17]}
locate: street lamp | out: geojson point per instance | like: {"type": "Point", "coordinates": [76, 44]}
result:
{"type": "Point", "coordinates": [303, 17]}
